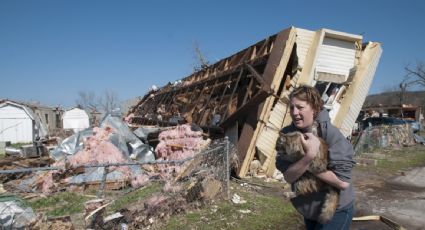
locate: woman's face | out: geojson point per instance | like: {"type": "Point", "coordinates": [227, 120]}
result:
{"type": "Point", "coordinates": [302, 114]}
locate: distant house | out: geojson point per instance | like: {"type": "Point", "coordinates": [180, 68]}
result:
{"type": "Point", "coordinates": [75, 119]}
{"type": "Point", "coordinates": [19, 123]}
{"type": "Point", "coordinates": [407, 105]}
{"type": "Point", "coordinates": [50, 117]}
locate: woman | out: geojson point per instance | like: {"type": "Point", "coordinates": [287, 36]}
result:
{"type": "Point", "coordinates": [306, 107]}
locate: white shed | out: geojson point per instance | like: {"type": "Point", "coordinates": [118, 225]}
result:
{"type": "Point", "coordinates": [18, 123]}
{"type": "Point", "coordinates": [75, 119]}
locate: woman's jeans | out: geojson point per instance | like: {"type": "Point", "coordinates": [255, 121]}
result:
{"type": "Point", "coordinates": [340, 221]}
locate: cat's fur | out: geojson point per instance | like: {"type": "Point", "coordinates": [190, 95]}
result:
{"type": "Point", "coordinates": [290, 146]}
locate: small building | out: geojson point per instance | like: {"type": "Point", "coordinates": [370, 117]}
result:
{"type": "Point", "coordinates": [19, 123]}
{"type": "Point", "coordinates": [75, 119]}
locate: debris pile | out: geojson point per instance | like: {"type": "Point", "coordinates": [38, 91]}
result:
{"type": "Point", "coordinates": [386, 136]}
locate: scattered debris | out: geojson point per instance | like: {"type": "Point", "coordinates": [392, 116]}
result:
{"type": "Point", "coordinates": [390, 223]}
{"type": "Point", "coordinates": [236, 199]}
{"type": "Point", "coordinates": [14, 215]}
{"type": "Point", "coordinates": [393, 136]}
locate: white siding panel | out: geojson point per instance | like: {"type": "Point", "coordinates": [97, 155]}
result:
{"type": "Point", "coordinates": [361, 94]}
{"type": "Point", "coordinates": [336, 56]}
{"type": "Point", "coordinates": [304, 41]}
{"type": "Point", "coordinates": [277, 115]}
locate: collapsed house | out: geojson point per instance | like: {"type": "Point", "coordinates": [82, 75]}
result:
{"type": "Point", "coordinates": [245, 96]}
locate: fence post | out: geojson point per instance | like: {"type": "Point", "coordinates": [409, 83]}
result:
{"type": "Point", "coordinates": [102, 184]}
{"type": "Point", "coordinates": [227, 167]}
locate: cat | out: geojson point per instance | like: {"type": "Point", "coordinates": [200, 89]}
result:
{"type": "Point", "coordinates": [290, 146]}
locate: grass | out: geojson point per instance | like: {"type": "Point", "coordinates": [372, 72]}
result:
{"type": "Point", "coordinates": [135, 196]}
{"type": "Point", "coordinates": [266, 212]}
{"type": "Point", "coordinates": [60, 204]}
{"type": "Point", "coordinates": [20, 144]}
{"type": "Point", "coordinates": [67, 203]}
{"type": "Point", "coordinates": [392, 161]}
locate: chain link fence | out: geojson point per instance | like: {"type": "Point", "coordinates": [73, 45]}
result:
{"type": "Point", "coordinates": [201, 178]}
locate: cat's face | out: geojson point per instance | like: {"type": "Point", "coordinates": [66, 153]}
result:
{"type": "Point", "coordinates": [291, 145]}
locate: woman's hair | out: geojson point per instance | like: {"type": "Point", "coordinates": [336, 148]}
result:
{"type": "Point", "coordinates": [310, 95]}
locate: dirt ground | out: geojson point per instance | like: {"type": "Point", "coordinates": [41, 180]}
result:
{"type": "Point", "coordinates": [390, 190]}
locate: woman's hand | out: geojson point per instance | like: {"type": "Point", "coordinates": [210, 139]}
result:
{"type": "Point", "coordinates": [344, 185]}
{"type": "Point", "coordinates": [311, 145]}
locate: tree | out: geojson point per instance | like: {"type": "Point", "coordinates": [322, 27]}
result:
{"type": "Point", "coordinates": [109, 101]}
{"type": "Point", "coordinates": [415, 76]}
{"type": "Point", "coordinates": [202, 62]}
{"type": "Point", "coordinates": [87, 100]}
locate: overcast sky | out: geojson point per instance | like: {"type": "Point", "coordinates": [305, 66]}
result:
{"type": "Point", "coordinates": [51, 50]}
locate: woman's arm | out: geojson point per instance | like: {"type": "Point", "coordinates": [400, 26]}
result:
{"type": "Point", "coordinates": [330, 178]}
{"type": "Point", "coordinates": [311, 146]}
{"type": "Point", "coordinates": [297, 169]}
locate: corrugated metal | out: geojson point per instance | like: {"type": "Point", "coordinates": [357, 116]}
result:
{"type": "Point", "coordinates": [304, 41]}
{"type": "Point", "coordinates": [361, 94]}
{"type": "Point", "coordinates": [76, 119]}
{"type": "Point", "coordinates": [336, 56]}
{"type": "Point", "coordinates": [15, 125]}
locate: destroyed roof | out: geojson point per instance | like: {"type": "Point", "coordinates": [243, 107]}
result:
{"type": "Point", "coordinates": [390, 99]}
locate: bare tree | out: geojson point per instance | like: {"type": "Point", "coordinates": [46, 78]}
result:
{"type": "Point", "coordinates": [415, 76]}
{"type": "Point", "coordinates": [87, 100]}
{"type": "Point", "coordinates": [106, 102]}
{"type": "Point", "coordinates": [202, 62]}
{"type": "Point", "coordinates": [109, 101]}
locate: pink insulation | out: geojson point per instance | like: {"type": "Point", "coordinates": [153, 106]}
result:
{"type": "Point", "coordinates": [177, 144]}
{"type": "Point", "coordinates": [139, 180]}
{"type": "Point", "coordinates": [98, 150]}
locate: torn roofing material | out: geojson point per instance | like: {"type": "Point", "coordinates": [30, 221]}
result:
{"type": "Point", "coordinates": [245, 95]}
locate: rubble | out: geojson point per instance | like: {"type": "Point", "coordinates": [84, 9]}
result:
{"type": "Point", "coordinates": [386, 136]}
{"type": "Point", "coordinates": [14, 215]}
